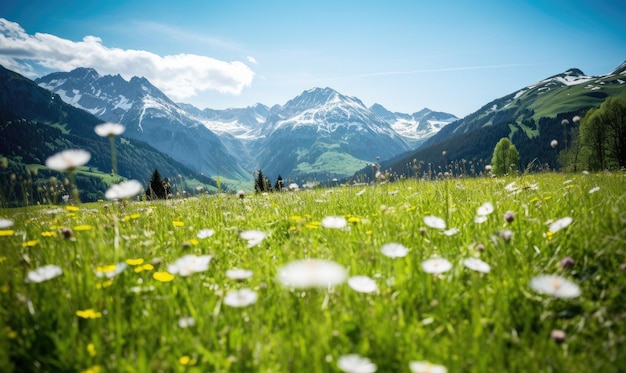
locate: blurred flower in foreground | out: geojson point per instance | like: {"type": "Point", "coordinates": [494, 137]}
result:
{"type": "Point", "coordinates": [334, 222]}
{"type": "Point", "coordinates": [189, 264]}
{"type": "Point", "coordinates": [558, 335]}
{"type": "Point", "coordinates": [434, 222]}
{"type": "Point", "coordinates": [362, 284]}
{"type": "Point", "coordinates": [560, 224]}
{"type": "Point", "coordinates": [485, 209]}
{"type": "Point", "coordinates": [311, 273]}
{"type": "Point", "coordinates": [205, 233]}
{"type": "Point", "coordinates": [186, 322]}
{"type": "Point", "coordinates": [555, 286]}
{"type": "Point", "coordinates": [394, 250]}
{"type": "Point", "coordinates": [436, 265]}
{"type": "Point", "coordinates": [6, 223]}
{"type": "Point", "coordinates": [554, 144]}
{"type": "Point", "coordinates": [123, 190]}
{"type": "Point", "coordinates": [253, 237]}
{"type": "Point", "coordinates": [68, 160]}
{"type": "Point", "coordinates": [354, 363]}
{"type": "Point", "coordinates": [426, 367]}
{"type": "Point", "coordinates": [477, 265]}
{"type": "Point", "coordinates": [241, 298]}
{"type": "Point", "coordinates": [44, 273]}
{"type": "Point", "coordinates": [594, 189]}
{"type": "Point", "coordinates": [109, 129]}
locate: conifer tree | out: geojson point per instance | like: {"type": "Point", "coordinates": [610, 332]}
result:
{"type": "Point", "coordinates": [156, 188]}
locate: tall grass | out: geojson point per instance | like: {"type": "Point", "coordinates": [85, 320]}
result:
{"type": "Point", "coordinates": [462, 319]}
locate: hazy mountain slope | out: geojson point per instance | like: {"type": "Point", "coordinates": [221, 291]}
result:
{"type": "Point", "coordinates": [35, 123]}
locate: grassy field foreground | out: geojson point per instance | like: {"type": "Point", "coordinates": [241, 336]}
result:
{"type": "Point", "coordinates": [109, 287]}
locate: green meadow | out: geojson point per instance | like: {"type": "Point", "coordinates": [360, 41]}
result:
{"type": "Point", "coordinates": [118, 299]}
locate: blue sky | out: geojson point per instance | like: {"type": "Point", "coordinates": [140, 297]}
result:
{"type": "Point", "coordinates": [452, 56]}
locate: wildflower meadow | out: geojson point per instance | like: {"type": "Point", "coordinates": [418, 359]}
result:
{"type": "Point", "coordinates": [511, 274]}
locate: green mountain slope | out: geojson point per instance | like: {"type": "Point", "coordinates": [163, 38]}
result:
{"type": "Point", "coordinates": [531, 117]}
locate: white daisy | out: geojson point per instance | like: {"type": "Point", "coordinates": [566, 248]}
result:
{"type": "Point", "coordinates": [253, 237]}
{"type": "Point", "coordinates": [241, 298]}
{"type": "Point", "coordinates": [434, 222]}
{"type": "Point", "coordinates": [451, 231]}
{"type": "Point", "coordinates": [355, 363]}
{"type": "Point", "coordinates": [394, 250]}
{"type": "Point", "coordinates": [426, 367]}
{"type": "Point", "coordinates": [68, 160]}
{"type": "Point", "coordinates": [476, 264]}
{"type": "Point", "coordinates": [436, 265]}
{"type": "Point", "coordinates": [560, 224]}
{"type": "Point", "coordinates": [189, 264]}
{"type": "Point", "coordinates": [511, 187]}
{"type": "Point", "coordinates": [480, 219]}
{"type": "Point", "coordinates": [485, 209]}
{"type": "Point", "coordinates": [123, 190]}
{"type": "Point", "coordinates": [238, 274]}
{"type": "Point", "coordinates": [6, 223]}
{"type": "Point", "coordinates": [186, 322]}
{"type": "Point", "coordinates": [362, 284]}
{"type": "Point", "coordinates": [44, 273]}
{"type": "Point", "coordinates": [334, 222]}
{"type": "Point", "coordinates": [555, 286]}
{"type": "Point", "coordinates": [311, 273]}
{"type": "Point", "coordinates": [293, 187]}
{"type": "Point", "coordinates": [205, 233]}
{"type": "Point", "coordinates": [109, 129]}
{"type": "Point", "coordinates": [594, 189]}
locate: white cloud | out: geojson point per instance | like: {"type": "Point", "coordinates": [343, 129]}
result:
{"type": "Point", "coordinates": [180, 76]}
{"type": "Point", "coordinates": [252, 60]}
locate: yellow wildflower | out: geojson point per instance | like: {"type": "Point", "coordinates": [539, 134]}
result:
{"type": "Point", "coordinates": [49, 234]}
{"type": "Point", "coordinates": [104, 284]}
{"type": "Point", "coordinates": [70, 214]}
{"type": "Point", "coordinates": [354, 220]}
{"type": "Point", "coordinates": [91, 349]}
{"type": "Point", "coordinates": [134, 262]}
{"type": "Point", "coordinates": [178, 223]}
{"type": "Point", "coordinates": [79, 228]}
{"type": "Point", "coordinates": [547, 198]}
{"type": "Point", "coordinates": [295, 218]}
{"type": "Point", "coordinates": [106, 268]}
{"type": "Point", "coordinates": [88, 314]}
{"type": "Point", "coordinates": [10, 333]}
{"type": "Point", "coordinates": [534, 199]}
{"type": "Point", "coordinates": [6, 232]}
{"type": "Point", "coordinates": [30, 243]}
{"type": "Point", "coordinates": [293, 228]}
{"type": "Point", "coordinates": [186, 360]}
{"type": "Point", "coordinates": [163, 276]}
{"type": "Point", "coordinates": [93, 369]}
{"type": "Point", "coordinates": [71, 208]}
{"type": "Point", "coordinates": [194, 242]}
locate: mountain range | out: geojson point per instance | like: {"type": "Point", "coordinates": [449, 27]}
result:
{"type": "Point", "coordinates": [317, 135]}
{"type": "Point", "coordinates": [320, 134]}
